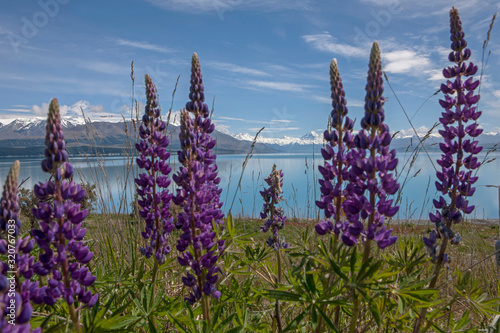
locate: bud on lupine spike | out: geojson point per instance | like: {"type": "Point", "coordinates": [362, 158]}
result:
{"type": "Point", "coordinates": [198, 194]}
{"type": "Point", "coordinates": [460, 142]}
{"type": "Point", "coordinates": [339, 141]}
{"type": "Point", "coordinates": [60, 220]}
{"type": "Point", "coordinates": [196, 93]}
{"type": "Point", "coordinates": [55, 151]}
{"type": "Point", "coordinates": [21, 265]}
{"type": "Point", "coordinates": [374, 112]}
{"type": "Point", "coordinates": [154, 182]}
{"type": "Point", "coordinates": [9, 207]}
{"type": "Point", "coordinates": [274, 214]}
{"type": "Point", "coordinates": [372, 160]}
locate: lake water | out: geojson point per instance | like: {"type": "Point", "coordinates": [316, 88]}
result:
{"type": "Point", "coordinates": [301, 188]}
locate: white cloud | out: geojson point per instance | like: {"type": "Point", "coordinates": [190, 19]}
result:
{"type": "Point", "coordinates": [281, 86]}
{"type": "Point", "coordinates": [383, 3]}
{"type": "Point", "coordinates": [17, 110]}
{"type": "Point", "coordinates": [236, 69]}
{"type": "Point", "coordinates": [222, 6]}
{"type": "Point", "coordinates": [435, 75]}
{"type": "Point", "coordinates": [326, 43]}
{"type": "Point", "coordinates": [405, 61]}
{"type": "Point", "coordinates": [105, 67]}
{"type": "Point", "coordinates": [142, 45]}
{"type": "Point", "coordinates": [496, 93]}
{"type": "Point", "coordinates": [350, 102]}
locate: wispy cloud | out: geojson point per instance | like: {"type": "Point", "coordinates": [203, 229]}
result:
{"type": "Point", "coordinates": [224, 66]}
{"type": "Point", "coordinates": [105, 67]}
{"type": "Point", "coordinates": [435, 75]}
{"type": "Point", "coordinates": [63, 83]}
{"type": "Point", "coordinates": [405, 61]}
{"type": "Point", "coordinates": [327, 43]}
{"type": "Point", "coordinates": [17, 110]}
{"type": "Point", "coordinates": [350, 102]}
{"type": "Point", "coordinates": [281, 86]}
{"type": "Point", "coordinates": [221, 6]}
{"type": "Point", "coordinates": [144, 45]}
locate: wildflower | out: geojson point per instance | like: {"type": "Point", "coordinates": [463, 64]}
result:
{"type": "Point", "coordinates": [460, 147]}
{"type": "Point", "coordinates": [339, 142]}
{"type": "Point", "coordinates": [459, 151]}
{"type": "Point", "coordinates": [274, 214]}
{"type": "Point", "coordinates": [154, 197]}
{"type": "Point", "coordinates": [371, 167]}
{"type": "Point", "coordinates": [64, 255]}
{"type": "Point", "coordinates": [12, 290]}
{"type": "Point", "coordinates": [198, 195]}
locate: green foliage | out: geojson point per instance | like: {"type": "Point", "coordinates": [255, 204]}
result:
{"type": "Point", "coordinates": [28, 200]}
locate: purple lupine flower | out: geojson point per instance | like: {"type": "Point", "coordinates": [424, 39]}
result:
{"type": "Point", "coordinates": [15, 305]}
{"type": "Point", "coordinates": [64, 256]}
{"type": "Point", "coordinates": [198, 194]}
{"type": "Point", "coordinates": [460, 146]}
{"type": "Point", "coordinates": [154, 198]}
{"type": "Point", "coordinates": [275, 218]}
{"type": "Point", "coordinates": [339, 142]}
{"type": "Point", "coordinates": [371, 165]}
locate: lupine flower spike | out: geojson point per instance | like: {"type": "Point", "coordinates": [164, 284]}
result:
{"type": "Point", "coordinates": [199, 196]}
{"type": "Point", "coordinates": [275, 219]}
{"type": "Point", "coordinates": [64, 255]}
{"type": "Point", "coordinates": [371, 168]}
{"type": "Point", "coordinates": [154, 198]}
{"type": "Point", "coordinates": [339, 141]}
{"type": "Point", "coordinates": [15, 305]}
{"type": "Point", "coordinates": [458, 159]}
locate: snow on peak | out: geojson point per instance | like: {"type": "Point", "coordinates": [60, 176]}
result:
{"type": "Point", "coordinates": [421, 131]}
{"type": "Point", "coordinates": [307, 139]}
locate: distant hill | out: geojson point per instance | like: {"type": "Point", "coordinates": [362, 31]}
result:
{"type": "Point", "coordinates": [27, 138]}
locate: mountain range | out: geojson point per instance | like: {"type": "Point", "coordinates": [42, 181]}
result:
{"type": "Point", "coordinates": [26, 137]}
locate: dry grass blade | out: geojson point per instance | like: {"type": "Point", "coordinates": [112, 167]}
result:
{"type": "Point", "coordinates": [249, 156]}
{"type": "Point", "coordinates": [409, 120]}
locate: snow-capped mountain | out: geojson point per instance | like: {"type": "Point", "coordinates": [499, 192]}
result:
{"type": "Point", "coordinates": [307, 139]}
{"type": "Point", "coordinates": [27, 136]}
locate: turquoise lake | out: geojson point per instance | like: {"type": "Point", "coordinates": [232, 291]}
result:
{"type": "Point", "coordinates": [301, 187]}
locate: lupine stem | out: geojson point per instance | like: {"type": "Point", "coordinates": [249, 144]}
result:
{"type": "Point", "coordinates": [277, 312]}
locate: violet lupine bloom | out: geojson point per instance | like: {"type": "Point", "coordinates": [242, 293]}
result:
{"type": "Point", "coordinates": [458, 152]}
{"type": "Point", "coordinates": [274, 214]}
{"type": "Point", "coordinates": [64, 255]}
{"type": "Point", "coordinates": [16, 317]}
{"type": "Point", "coordinates": [371, 165]}
{"type": "Point", "coordinates": [198, 194]}
{"type": "Point", "coordinates": [154, 198]}
{"type": "Point", "coordinates": [340, 141]}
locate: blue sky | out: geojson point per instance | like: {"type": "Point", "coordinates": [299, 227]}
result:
{"type": "Point", "coordinates": [266, 62]}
